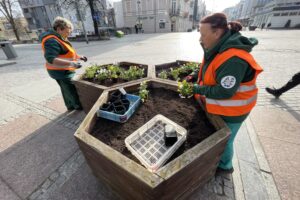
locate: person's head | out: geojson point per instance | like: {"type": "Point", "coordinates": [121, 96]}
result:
{"type": "Point", "coordinates": [213, 27]}
{"type": "Point", "coordinates": [62, 26]}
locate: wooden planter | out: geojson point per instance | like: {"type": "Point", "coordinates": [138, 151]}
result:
{"type": "Point", "coordinates": [89, 92]}
{"type": "Point", "coordinates": [178, 179]}
{"type": "Point", "coordinates": [167, 66]}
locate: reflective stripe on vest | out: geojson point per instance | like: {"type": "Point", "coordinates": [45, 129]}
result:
{"type": "Point", "coordinates": [246, 95]}
{"type": "Point", "coordinates": [71, 54]}
{"type": "Point", "coordinates": [245, 88]}
{"type": "Point", "coordinates": [231, 103]}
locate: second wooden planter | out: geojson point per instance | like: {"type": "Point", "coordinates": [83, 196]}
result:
{"type": "Point", "coordinates": [89, 92]}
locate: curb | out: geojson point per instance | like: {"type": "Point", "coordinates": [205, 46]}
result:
{"type": "Point", "coordinates": [237, 179]}
{"type": "Point", "coordinates": [262, 162]}
{"type": "Point", "coordinates": [6, 63]}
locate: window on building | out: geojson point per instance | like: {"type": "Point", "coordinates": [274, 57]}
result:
{"type": "Point", "coordinates": [149, 5]}
{"type": "Point", "coordinates": [25, 10]}
{"type": "Point", "coordinates": [173, 6]}
{"type": "Point", "coordinates": [128, 5]}
{"type": "Point", "coordinates": [293, 13]}
{"type": "Point", "coordinates": [276, 14]}
{"type": "Point", "coordinates": [162, 25]}
{"type": "Point", "coordinates": [285, 14]}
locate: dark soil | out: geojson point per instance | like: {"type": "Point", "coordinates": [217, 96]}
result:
{"type": "Point", "coordinates": [186, 112]}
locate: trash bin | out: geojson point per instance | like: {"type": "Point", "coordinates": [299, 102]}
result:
{"type": "Point", "coordinates": [8, 49]}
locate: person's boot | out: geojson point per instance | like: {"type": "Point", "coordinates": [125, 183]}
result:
{"type": "Point", "coordinates": [276, 93]}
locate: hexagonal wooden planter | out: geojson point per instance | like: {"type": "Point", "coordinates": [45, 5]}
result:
{"type": "Point", "coordinates": [177, 179]}
{"type": "Point", "coordinates": [167, 66]}
{"type": "Point", "coordinates": [89, 92]}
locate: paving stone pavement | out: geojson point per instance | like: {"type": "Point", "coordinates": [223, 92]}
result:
{"type": "Point", "coordinates": [42, 160]}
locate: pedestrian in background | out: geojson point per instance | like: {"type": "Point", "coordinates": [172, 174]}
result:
{"type": "Point", "coordinates": [226, 84]}
{"type": "Point", "coordinates": [61, 60]}
{"type": "Point", "coordinates": [289, 85]}
{"type": "Point", "coordinates": [136, 29]}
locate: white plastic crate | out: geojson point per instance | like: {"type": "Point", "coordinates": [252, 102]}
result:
{"type": "Point", "coordinates": [148, 145]}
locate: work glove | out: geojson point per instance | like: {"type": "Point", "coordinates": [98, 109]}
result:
{"type": "Point", "coordinates": [190, 78]}
{"type": "Point", "coordinates": [76, 65]}
{"type": "Point", "coordinates": [84, 58]}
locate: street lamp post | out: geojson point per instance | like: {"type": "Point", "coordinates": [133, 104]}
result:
{"type": "Point", "coordinates": [138, 14]}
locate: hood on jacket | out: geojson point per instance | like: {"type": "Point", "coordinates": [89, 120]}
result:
{"type": "Point", "coordinates": [231, 40]}
{"type": "Point", "coordinates": [238, 41]}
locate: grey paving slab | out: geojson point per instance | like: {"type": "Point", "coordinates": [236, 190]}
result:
{"type": "Point", "coordinates": [6, 193]}
{"type": "Point", "coordinates": [37, 91]}
{"type": "Point", "coordinates": [244, 146]}
{"type": "Point", "coordinates": [26, 165]}
{"type": "Point", "coordinates": [263, 163]}
{"type": "Point", "coordinates": [254, 186]}
{"type": "Point", "coordinates": [8, 109]}
{"type": "Point", "coordinates": [84, 185]}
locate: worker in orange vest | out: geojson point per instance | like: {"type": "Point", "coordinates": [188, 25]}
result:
{"type": "Point", "coordinates": [62, 60]}
{"type": "Point", "coordinates": [226, 83]}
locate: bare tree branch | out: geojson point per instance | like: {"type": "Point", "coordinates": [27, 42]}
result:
{"type": "Point", "coordinates": [6, 8]}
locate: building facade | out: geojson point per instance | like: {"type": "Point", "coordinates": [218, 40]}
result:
{"type": "Point", "coordinates": [159, 16]}
{"type": "Point", "coordinates": [39, 13]}
{"type": "Point", "coordinates": [267, 13]}
{"type": "Point", "coordinates": [119, 14]}
{"type": "Point", "coordinates": [278, 14]}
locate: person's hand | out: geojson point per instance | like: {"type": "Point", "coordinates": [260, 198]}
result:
{"type": "Point", "coordinates": [189, 78]}
{"type": "Point", "coordinates": [84, 58]}
{"type": "Point", "coordinates": [76, 65]}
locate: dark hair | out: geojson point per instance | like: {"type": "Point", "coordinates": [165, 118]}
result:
{"type": "Point", "coordinates": [219, 20]}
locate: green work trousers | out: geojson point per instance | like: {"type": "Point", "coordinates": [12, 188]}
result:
{"type": "Point", "coordinates": [226, 158]}
{"type": "Point", "coordinates": [69, 93]}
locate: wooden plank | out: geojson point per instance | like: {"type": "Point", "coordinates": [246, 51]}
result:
{"type": "Point", "coordinates": [192, 174]}
{"type": "Point", "coordinates": [88, 94]}
{"type": "Point", "coordinates": [151, 71]}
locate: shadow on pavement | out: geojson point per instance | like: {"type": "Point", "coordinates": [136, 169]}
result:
{"type": "Point", "coordinates": [282, 103]}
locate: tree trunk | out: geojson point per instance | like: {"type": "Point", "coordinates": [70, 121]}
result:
{"type": "Point", "coordinates": [91, 4]}
{"type": "Point", "coordinates": [15, 29]}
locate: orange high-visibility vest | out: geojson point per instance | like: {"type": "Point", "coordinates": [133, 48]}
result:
{"type": "Point", "coordinates": [71, 55]}
{"type": "Point", "coordinates": [245, 97]}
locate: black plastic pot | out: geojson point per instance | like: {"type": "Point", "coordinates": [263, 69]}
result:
{"type": "Point", "coordinates": [117, 103]}
{"type": "Point", "coordinates": [121, 110]}
{"type": "Point", "coordinates": [115, 96]}
{"type": "Point", "coordinates": [125, 103]}
{"type": "Point", "coordinates": [170, 135]}
{"type": "Point", "coordinates": [107, 107]}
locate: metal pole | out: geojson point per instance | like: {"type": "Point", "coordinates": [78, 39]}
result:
{"type": "Point", "coordinates": [139, 17]}
{"type": "Point", "coordinates": [82, 24]}
{"type": "Point", "coordinates": [155, 16]}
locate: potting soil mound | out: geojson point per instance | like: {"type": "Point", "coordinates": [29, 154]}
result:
{"type": "Point", "coordinates": [185, 112]}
